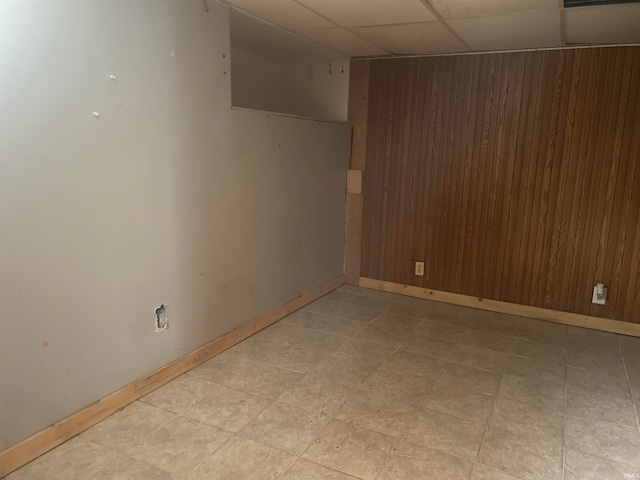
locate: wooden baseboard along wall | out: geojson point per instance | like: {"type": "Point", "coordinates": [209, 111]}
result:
{"type": "Point", "coordinates": [567, 318]}
{"type": "Point", "coordinates": [22, 453]}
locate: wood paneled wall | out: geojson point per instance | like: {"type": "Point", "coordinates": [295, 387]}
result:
{"type": "Point", "coordinates": [513, 176]}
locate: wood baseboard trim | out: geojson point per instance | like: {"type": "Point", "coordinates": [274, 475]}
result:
{"type": "Point", "coordinates": [575, 319]}
{"type": "Point", "coordinates": [22, 453]}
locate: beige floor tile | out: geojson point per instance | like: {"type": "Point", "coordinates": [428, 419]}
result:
{"type": "Point", "coordinates": [346, 371]}
{"type": "Point", "coordinates": [528, 421]}
{"type": "Point", "coordinates": [534, 391]}
{"type": "Point", "coordinates": [341, 297]}
{"type": "Point", "coordinates": [179, 394]}
{"type": "Point", "coordinates": [399, 385]}
{"type": "Point", "coordinates": [122, 430]}
{"type": "Point", "coordinates": [414, 364]}
{"type": "Point", "coordinates": [282, 332]}
{"type": "Point", "coordinates": [127, 468]}
{"type": "Point", "coordinates": [227, 408]}
{"type": "Point", "coordinates": [451, 315]}
{"type": "Point", "coordinates": [579, 466]}
{"type": "Point", "coordinates": [430, 347]}
{"type": "Point", "coordinates": [343, 310]}
{"type": "Point", "coordinates": [599, 382]}
{"type": "Point", "coordinates": [303, 318]}
{"type": "Point", "coordinates": [306, 470]}
{"type": "Point", "coordinates": [471, 378]}
{"type": "Point", "coordinates": [243, 459]}
{"type": "Point", "coordinates": [410, 461]}
{"type": "Point", "coordinates": [630, 348]}
{"type": "Point", "coordinates": [581, 403]}
{"type": "Point", "coordinates": [318, 341]}
{"type": "Point", "coordinates": [373, 302]}
{"type": "Point", "coordinates": [227, 363]}
{"type": "Point", "coordinates": [364, 351]}
{"type": "Point", "coordinates": [482, 472]}
{"type": "Point", "coordinates": [594, 341]}
{"type": "Point", "coordinates": [180, 445]}
{"type": "Point", "coordinates": [455, 400]}
{"type": "Point", "coordinates": [541, 331]}
{"type": "Point", "coordinates": [388, 335]}
{"type": "Point", "coordinates": [525, 457]}
{"type": "Point", "coordinates": [281, 390]}
{"type": "Point", "coordinates": [633, 374]}
{"type": "Point", "coordinates": [280, 355]}
{"type": "Point", "coordinates": [317, 394]}
{"type": "Point", "coordinates": [339, 326]}
{"type": "Point", "coordinates": [350, 449]}
{"type": "Point", "coordinates": [539, 369]}
{"type": "Point", "coordinates": [286, 427]}
{"type": "Point", "coordinates": [410, 309]}
{"type": "Point", "coordinates": [601, 439]}
{"type": "Point", "coordinates": [300, 337]}
{"type": "Point", "coordinates": [441, 331]}
{"type": "Point", "coordinates": [540, 351]}
{"type": "Point", "coordinates": [234, 370]}
{"type": "Point", "coordinates": [404, 323]}
{"type": "Point", "coordinates": [376, 412]}
{"type": "Point", "coordinates": [492, 322]}
{"type": "Point", "coordinates": [76, 459]}
{"type": "Point", "coordinates": [594, 361]}
{"type": "Point", "coordinates": [491, 341]}
{"type": "Point", "coordinates": [453, 435]}
{"type": "Point", "coordinates": [481, 358]}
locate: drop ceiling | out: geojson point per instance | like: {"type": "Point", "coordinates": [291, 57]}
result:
{"type": "Point", "coordinates": [319, 30]}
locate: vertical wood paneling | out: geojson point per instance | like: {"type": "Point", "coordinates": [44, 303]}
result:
{"type": "Point", "coordinates": [513, 176]}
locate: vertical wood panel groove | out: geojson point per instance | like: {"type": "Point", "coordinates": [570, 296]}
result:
{"type": "Point", "coordinates": [513, 177]}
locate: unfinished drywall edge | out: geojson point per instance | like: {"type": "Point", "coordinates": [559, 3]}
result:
{"type": "Point", "coordinates": [567, 318]}
{"type": "Point", "coordinates": [29, 449]}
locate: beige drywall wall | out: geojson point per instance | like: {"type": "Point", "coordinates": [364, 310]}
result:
{"type": "Point", "coordinates": [168, 197]}
{"type": "Point", "coordinates": [314, 90]}
{"type": "Point", "coordinates": [319, 90]}
{"type": "Point", "coordinates": [255, 82]}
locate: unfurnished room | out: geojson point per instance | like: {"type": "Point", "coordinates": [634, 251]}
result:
{"type": "Point", "coordinates": [320, 239]}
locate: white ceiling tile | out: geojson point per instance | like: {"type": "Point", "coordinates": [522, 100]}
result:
{"type": "Point", "coordinates": [254, 36]}
{"type": "Point", "coordinates": [356, 13]}
{"type": "Point", "coordinates": [413, 39]}
{"type": "Point", "coordinates": [605, 24]}
{"type": "Point", "coordinates": [473, 8]}
{"type": "Point", "coordinates": [344, 41]}
{"type": "Point", "coordinates": [284, 13]}
{"type": "Point", "coordinates": [509, 32]}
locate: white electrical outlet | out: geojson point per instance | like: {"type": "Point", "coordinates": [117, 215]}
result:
{"type": "Point", "coordinates": [162, 318]}
{"type": "Point", "coordinates": [599, 294]}
{"type": "Point", "coordinates": [420, 269]}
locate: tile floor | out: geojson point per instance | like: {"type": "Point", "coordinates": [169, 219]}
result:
{"type": "Point", "coordinates": [364, 384]}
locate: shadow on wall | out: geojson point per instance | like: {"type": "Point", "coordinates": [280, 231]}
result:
{"type": "Point", "coordinates": [311, 90]}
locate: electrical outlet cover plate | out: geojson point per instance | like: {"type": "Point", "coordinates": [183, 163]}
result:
{"type": "Point", "coordinates": [420, 269]}
{"type": "Point", "coordinates": [599, 300]}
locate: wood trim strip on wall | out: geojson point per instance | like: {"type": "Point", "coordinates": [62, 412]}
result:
{"type": "Point", "coordinates": [567, 318]}
{"type": "Point", "coordinates": [358, 118]}
{"type": "Point", "coordinates": [29, 449]}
